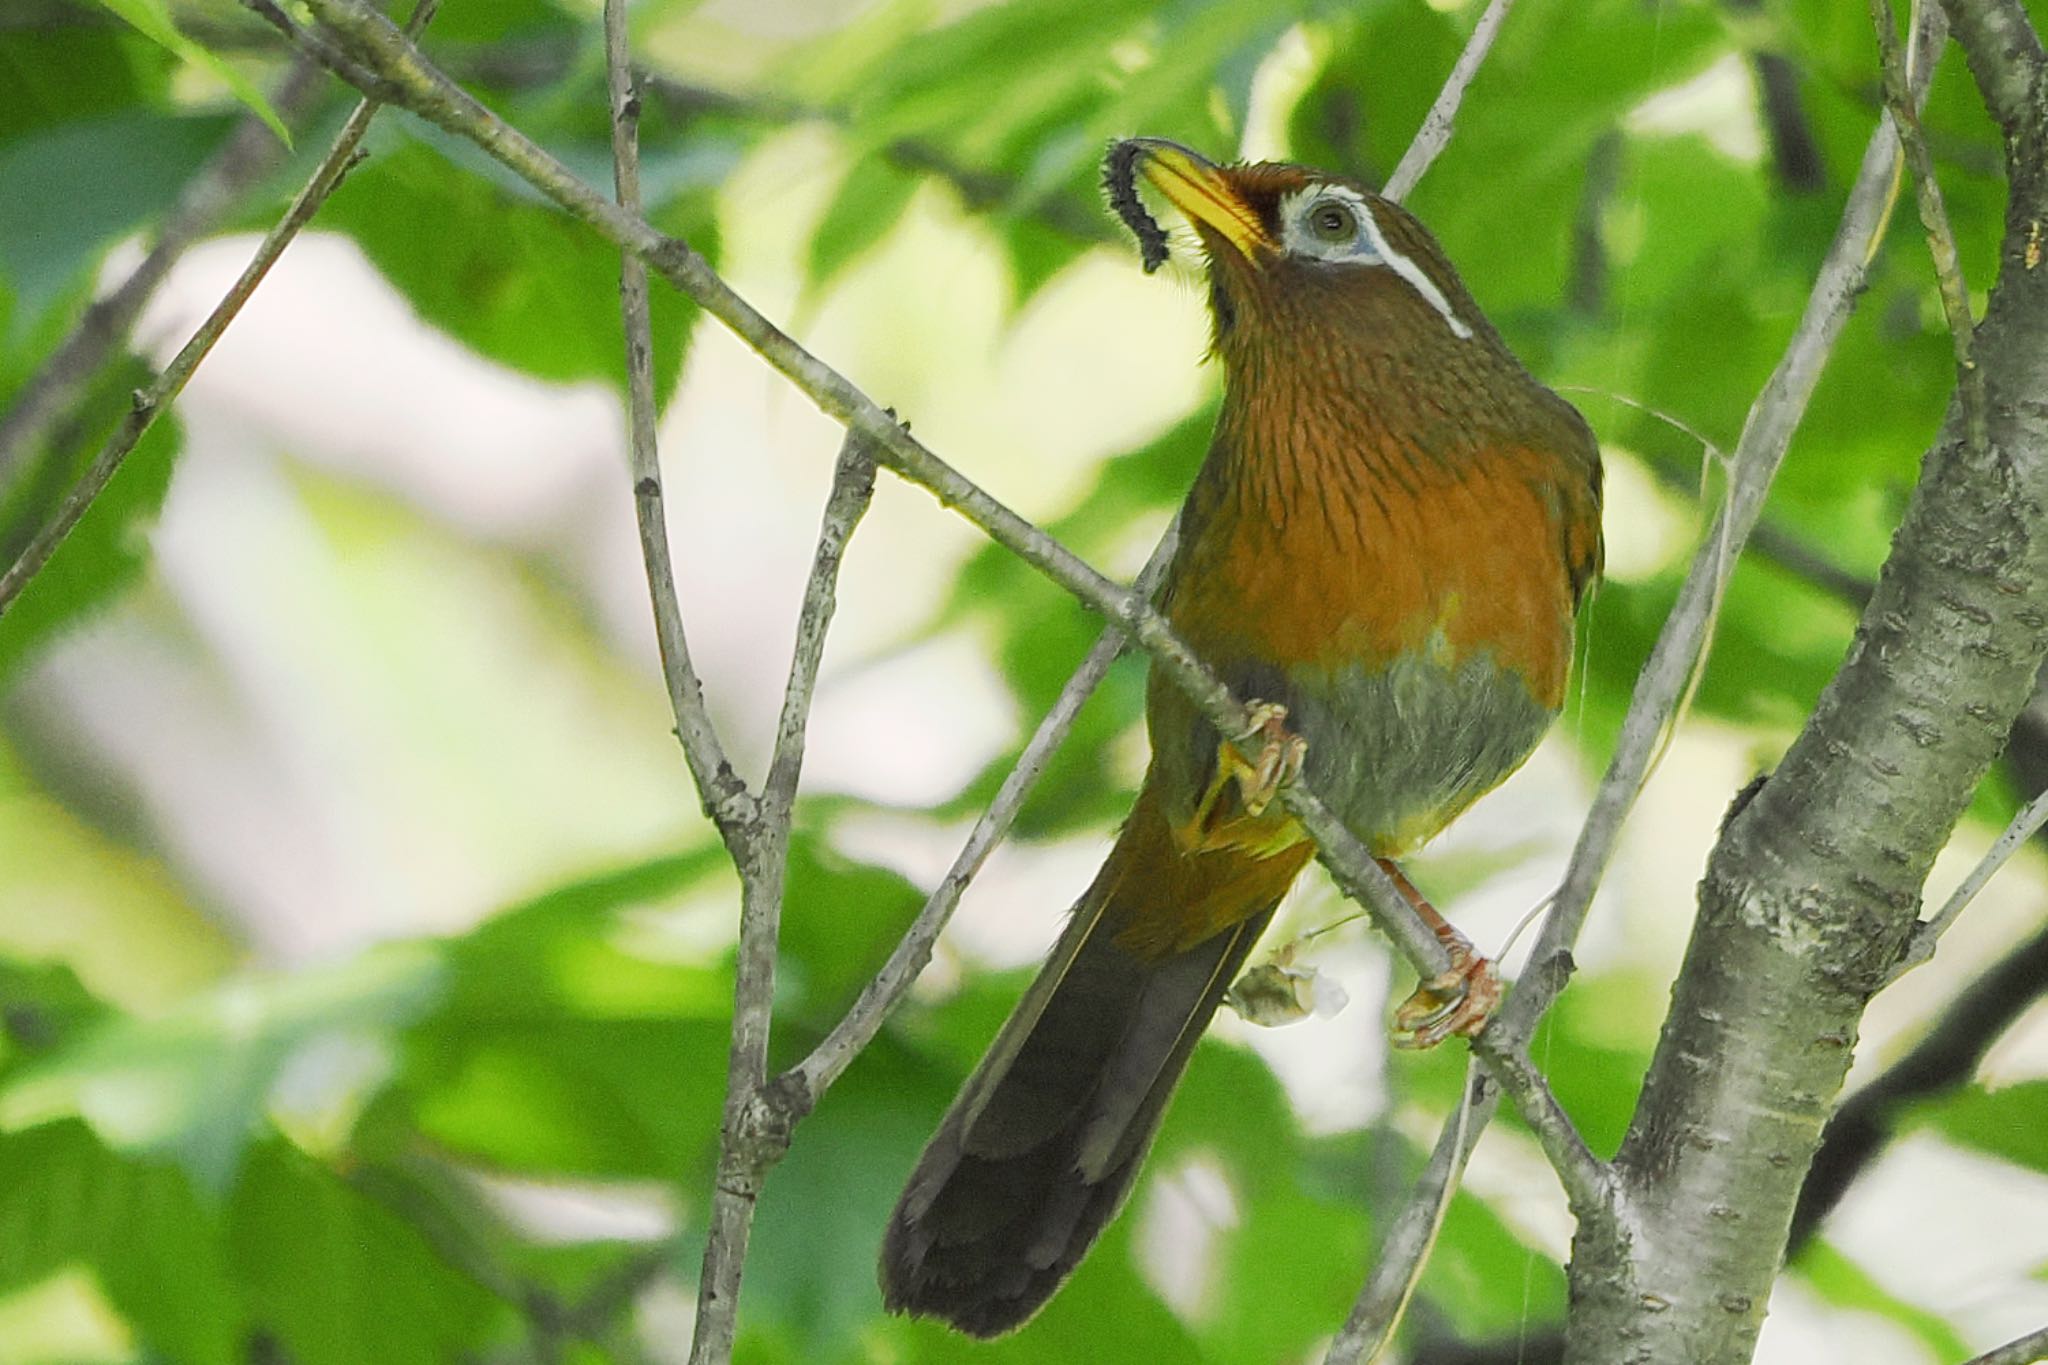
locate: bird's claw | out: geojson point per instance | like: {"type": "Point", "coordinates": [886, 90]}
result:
{"type": "Point", "coordinates": [1459, 1001]}
{"type": "Point", "coordinates": [1278, 761]}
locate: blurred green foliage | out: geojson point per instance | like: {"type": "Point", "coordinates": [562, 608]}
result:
{"type": "Point", "coordinates": [223, 1215]}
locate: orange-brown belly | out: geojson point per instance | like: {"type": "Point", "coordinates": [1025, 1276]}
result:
{"type": "Point", "coordinates": [1420, 643]}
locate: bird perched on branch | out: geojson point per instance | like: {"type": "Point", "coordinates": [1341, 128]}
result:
{"type": "Point", "coordinates": [1384, 555]}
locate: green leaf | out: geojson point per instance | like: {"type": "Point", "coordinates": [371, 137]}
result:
{"type": "Point", "coordinates": [74, 188]}
{"type": "Point", "coordinates": [610, 1098]}
{"type": "Point", "coordinates": [1290, 1263]}
{"type": "Point", "coordinates": [107, 550]}
{"type": "Point", "coordinates": [529, 20]}
{"type": "Point", "coordinates": [571, 1040]}
{"type": "Point", "coordinates": [62, 73]}
{"type": "Point", "coordinates": [194, 1086]}
{"type": "Point", "coordinates": [43, 1007]}
{"type": "Point", "coordinates": [1846, 1284]}
{"type": "Point", "coordinates": [65, 1199]}
{"type": "Point", "coordinates": [573, 951]}
{"type": "Point", "coordinates": [326, 1271]}
{"type": "Point", "coordinates": [1484, 1280]}
{"type": "Point", "coordinates": [513, 278]}
{"type": "Point", "coordinates": [871, 200]}
{"type": "Point", "coordinates": [337, 1279]}
{"type": "Point", "coordinates": [810, 1272]}
{"type": "Point", "coordinates": [1042, 635]}
{"type": "Point", "coordinates": [152, 18]}
{"type": "Point", "coordinates": [1037, 253]}
{"type": "Point", "coordinates": [1595, 1079]}
{"type": "Point", "coordinates": [840, 921]}
{"type": "Point", "coordinates": [2011, 1123]}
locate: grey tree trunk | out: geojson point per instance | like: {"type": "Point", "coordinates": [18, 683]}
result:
{"type": "Point", "coordinates": [1812, 894]}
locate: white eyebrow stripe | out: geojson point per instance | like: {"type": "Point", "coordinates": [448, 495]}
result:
{"type": "Point", "coordinates": [1411, 272]}
{"type": "Point", "coordinates": [1401, 265]}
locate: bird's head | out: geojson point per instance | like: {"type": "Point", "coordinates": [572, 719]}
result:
{"type": "Point", "coordinates": [1301, 253]}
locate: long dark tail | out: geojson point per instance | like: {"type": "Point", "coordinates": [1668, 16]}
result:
{"type": "Point", "coordinates": [1041, 1147]}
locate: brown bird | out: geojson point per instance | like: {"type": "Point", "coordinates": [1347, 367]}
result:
{"type": "Point", "coordinates": [1384, 553]}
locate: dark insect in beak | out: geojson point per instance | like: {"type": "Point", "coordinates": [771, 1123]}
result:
{"type": "Point", "coordinates": [1119, 178]}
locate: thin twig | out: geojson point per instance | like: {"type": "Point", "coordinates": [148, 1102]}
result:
{"type": "Point", "coordinates": [755, 1129]}
{"type": "Point", "coordinates": [1941, 238]}
{"type": "Point", "coordinates": [853, 486]}
{"type": "Point", "coordinates": [830, 1058]}
{"type": "Point", "coordinates": [1443, 113]}
{"type": "Point", "coordinates": [758, 1115]}
{"type": "Point", "coordinates": [2027, 1350]}
{"type": "Point", "coordinates": [2023, 827]}
{"type": "Point", "coordinates": [251, 153]}
{"type": "Point", "coordinates": [315, 46]}
{"type": "Point", "coordinates": [1766, 434]}
{"type": "Point", "coordinates": [1411, 1233]}
{"type": "Point", "coordinates": [726, 800]}
{"type": "Point", "coordinates": [152, 401]}
{"type": "Point", "coordinates": [1589, 1183]}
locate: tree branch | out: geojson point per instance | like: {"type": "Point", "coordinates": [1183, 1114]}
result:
{"type": "Point", "coordinates": [756, 1126]}
{"type": "Point", "coordinates": [863, 1020]}
{"type": "Point", "coordinates": [2023, 826]}
{"type": "Point", "coordinates": [316, 48]}
{"type": "Point", "coordinates": [1589, 1182]}
{"type": "Point", "coordinates": [1411, 1234]}
{"type": "Point", "coordinates": [1760, 450]}
{"type": "Point", "coordinates": [2026, 1350]}
{"type": "Point", "coordinates": [726, 801]}
{"type": "Point", "coordinates": [1941, 239]}
{"type": "Point", "coordinates": [853, 486]}
{"type": "Point", "coordinates": [759, 1114]}
{"type": "Point", "coordinates": [743, 1154]}
{"type": "Point", "coordinates": [1812, 891]}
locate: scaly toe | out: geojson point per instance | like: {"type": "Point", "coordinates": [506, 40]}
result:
{"type": "Point", "coordinates": [1456, 1002]}
{"type": "Point", "coordinates": [1278, 761]}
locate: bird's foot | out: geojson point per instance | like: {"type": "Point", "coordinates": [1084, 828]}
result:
{"type": "Point", "coordinates": [1457, 1001]}
{"type": "Point", "coordinates": [1460, 1001]}
{"type": "Point", "coordinates": [1277, 762]}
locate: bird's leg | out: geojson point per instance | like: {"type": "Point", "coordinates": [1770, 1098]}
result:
{"type": "Point", "coordinates": [1457, 1001]}
{"type": "Point", "coordinates": [1278, 762]}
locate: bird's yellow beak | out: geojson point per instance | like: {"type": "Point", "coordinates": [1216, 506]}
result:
{"type": "Point", "coordinates": [1200, 189]}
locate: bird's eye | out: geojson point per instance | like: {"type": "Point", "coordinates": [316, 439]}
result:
{"type": "Point", "coordinates": [1332, 222]}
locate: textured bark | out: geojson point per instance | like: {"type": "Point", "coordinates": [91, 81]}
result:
{"type": "Point", "coordinates": [1813, 891]}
